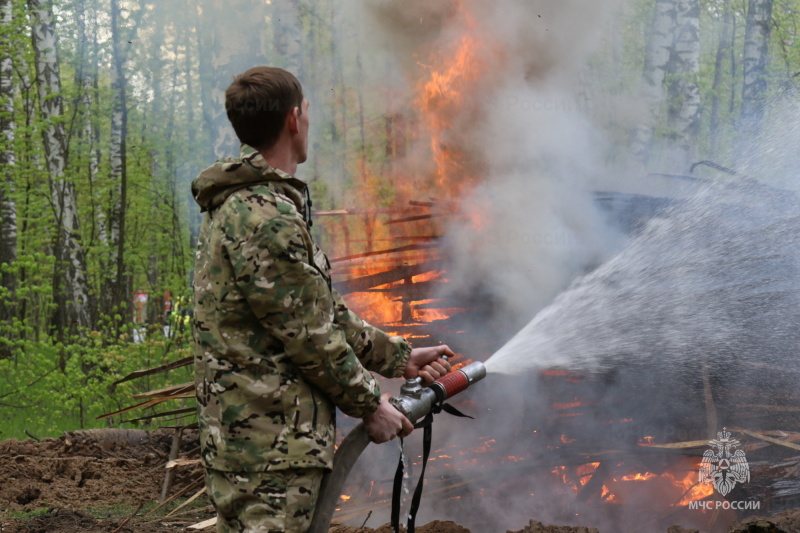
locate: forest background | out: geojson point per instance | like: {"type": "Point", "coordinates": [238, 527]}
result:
{"type": "Point", "coordinates": [109, 108]}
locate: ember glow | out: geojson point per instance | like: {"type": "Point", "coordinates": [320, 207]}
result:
{"type": "Point", "coordinates": [638, 477]}
{"type": "Point", "coordinates": [394, 304]}
{"type": "Point", "coordinates": [678, 486]}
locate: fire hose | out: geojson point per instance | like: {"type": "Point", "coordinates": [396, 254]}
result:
{"type": "Point", "coordinates": [415, 402]}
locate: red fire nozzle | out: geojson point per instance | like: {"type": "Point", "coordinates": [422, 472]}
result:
{"type": "Point", "coordinates": [416, 401]}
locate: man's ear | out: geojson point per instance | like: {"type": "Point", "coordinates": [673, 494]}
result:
{"type": "Point", "coordinates": [292, 120]}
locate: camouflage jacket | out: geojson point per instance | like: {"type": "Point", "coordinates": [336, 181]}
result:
{"type": "Point", "coordinates": [276, 347]}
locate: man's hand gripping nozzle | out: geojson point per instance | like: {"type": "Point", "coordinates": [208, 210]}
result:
{"type": "Point", "coordinates": [415, 402]}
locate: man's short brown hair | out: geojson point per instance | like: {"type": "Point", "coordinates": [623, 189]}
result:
{"type": "Point", "coordinates": [257, 103]}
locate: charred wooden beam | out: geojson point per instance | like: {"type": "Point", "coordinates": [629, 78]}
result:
{"type": "Point", "coordinates": [389, 276]}
{"type": "Point", "coordinates": [416, 218]}
{"type": "Point", "coordinates": [407, 248]}
{"type": "Point", "coordinates": [421, 290]}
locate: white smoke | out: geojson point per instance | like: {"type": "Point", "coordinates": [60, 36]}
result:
{"type": "Point", "coordinates": [524, 126]}
{"type": "Point", "coordinates": [530, 224]}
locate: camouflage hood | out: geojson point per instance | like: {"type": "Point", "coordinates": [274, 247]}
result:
{"type": "Point", "coordinates": [216, 183]}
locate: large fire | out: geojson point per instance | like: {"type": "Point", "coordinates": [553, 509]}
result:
{"type": "Point", "coordinates": [441, 95]}
{"type": "Point", "coordinates": [404, 264]}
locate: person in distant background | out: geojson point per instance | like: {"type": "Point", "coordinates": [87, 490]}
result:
{"type": "Point", "coordinates": [276, 347]}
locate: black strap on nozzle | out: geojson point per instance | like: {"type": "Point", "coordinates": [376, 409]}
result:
{"type": "Point", "coordinates": [427, 424]}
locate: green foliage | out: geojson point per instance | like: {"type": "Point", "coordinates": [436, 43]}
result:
{"type": "Point", "coordinates": [49, 387]}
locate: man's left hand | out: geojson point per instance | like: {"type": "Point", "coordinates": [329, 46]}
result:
{"type": "Point", "coordinates": [428, 364]}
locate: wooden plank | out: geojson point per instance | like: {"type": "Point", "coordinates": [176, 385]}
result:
{"type": "Point", "coordinates": [185, 410]}
{"type": "Point", "coordinates": [183, 461]}
{"type": "Point", "coordinates": [679, 445]}
{"type": "Point", "coordinates": [388, 276]}
{"type": "Point", "coordinates": [204, 524]}
{"type": "Point", "coordinates": [417, 218]}
{"type": "Point", "coordinates": [765, 438]}
{"type": "Point", "coordinates": [164, 392]}
{"type": "Point", "coordinates": [401, 249]}
{"type": "Point", "coordinates": [187, 502]}
{"type": "Point", "coordinates": [150, 371]}
{"type": "Point", "coordinates": [149, 403]}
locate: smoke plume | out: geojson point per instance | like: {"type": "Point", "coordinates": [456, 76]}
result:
{"type": "Point", "coordinates": [529, 153]}
{"type": "Point", "coordinates": [688, 305]}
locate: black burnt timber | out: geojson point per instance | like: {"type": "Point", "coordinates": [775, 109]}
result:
{"type": "Point", "coordinates": [417, 217]}
{"type": "Point", "coordinates": [434, 203]}
{"type": "Point", "coordinates": [720, 168]}
{"type": "Point", "coordinates": [352, 269]}
{"type": "Point", "coordinates": [412, 204]}
{"type": "Point", "coordinates": [414, 292]}
{"type": "Point", "coordinates": [376, 211]}
{"type": "Point", "coordinates": [402, 238]}
{"type": "Point", "coordinates": [401, 249]}
{"type": "Point", "coordinates": [389, 276]}
{"type": "Point", "coordinates": [439, 303]}
{"type": "Point", "coordinates": [594, 486]}
{"type": "Point", "coordinates": [630, 212]}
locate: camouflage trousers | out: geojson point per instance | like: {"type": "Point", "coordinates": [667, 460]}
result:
{"type": "Point", "coordinates": [264, 502]}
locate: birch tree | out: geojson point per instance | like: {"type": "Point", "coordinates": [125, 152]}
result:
{"type": "Point", "coordinates": [657, 56]}
{"type": "Point", "coordinates": [723, 51]}
{"type": "Point", "coordinates": [118, 172]}
{"type": "Point", "coordinates": [683, 114]}
{"type": "Point", "coordinates": [86, 79]}
{"type": "Point", "coordinates": [8, 210]}
{"type": "Point", "coordinates": [70, 288]}
{"type": "Point", "coordinates": [754, 87]}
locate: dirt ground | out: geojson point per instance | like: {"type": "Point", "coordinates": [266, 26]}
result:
{"type": "Point", "coordinates": [94, 481]}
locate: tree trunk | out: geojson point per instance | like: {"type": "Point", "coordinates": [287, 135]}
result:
{"type": "Point", "coordinates": [86, 78]}
{"type": "Point", "coordinates": [119, 171]}
{"type": "Point", "coordinates": [683, 116]}
{"type": "Point", "coordinates": [8, 209]}
{"type": "Point", "coordinates": [754, 88]}
{"type": "Point", "coordinates": [657, 56]}
{"type": "Point", "coordinates": [203, 27]}
{"type": "Point", "coordinates": [70, 287]}
{"type": "Point", "coordinates": [723, 49]}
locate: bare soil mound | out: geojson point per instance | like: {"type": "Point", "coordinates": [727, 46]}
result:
{"type": "Point", "coordinates": [89, 481]}
{"type": "Point", "coordinates": [85, 469]}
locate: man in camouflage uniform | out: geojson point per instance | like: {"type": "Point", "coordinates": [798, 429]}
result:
{"type": "Point", "coordinates": [276, 348]}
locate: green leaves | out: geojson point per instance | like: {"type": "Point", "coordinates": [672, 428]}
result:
{"type": "Point", "coordinates": [35, 394]}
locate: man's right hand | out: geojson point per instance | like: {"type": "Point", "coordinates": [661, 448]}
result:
{"type": "Point", "coordinates": [387, 423]}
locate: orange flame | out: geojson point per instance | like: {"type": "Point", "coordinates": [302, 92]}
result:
{"type": "Point", "coordinates": [639, 477]}
{"type": "Point", "coordinates": [441, 94]}
{"type": "Point", "coordinates": [694, 490]}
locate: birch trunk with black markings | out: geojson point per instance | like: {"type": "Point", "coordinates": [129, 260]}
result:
{"type": "Point", "coordinates": [73, 302]}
